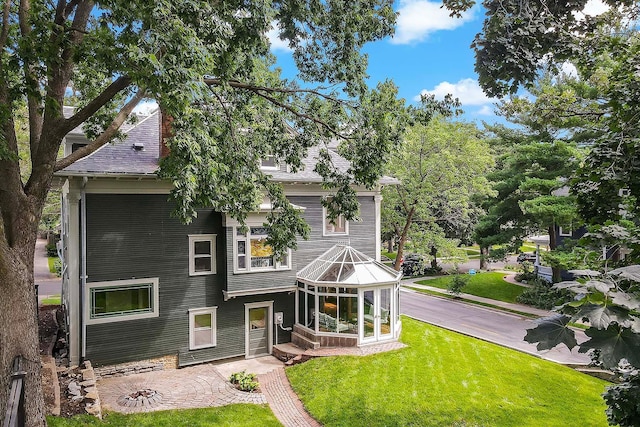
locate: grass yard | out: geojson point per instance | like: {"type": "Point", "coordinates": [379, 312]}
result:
{"type": "Point", "coordinates": [52, 300]}
{"type": "Point", "coordinates": [488, 285]}
{"type": "Point", "coordinates": [51, 261]}
{"type": "Point", "coordinates": [224, 416]}
{"type": "Point", "coordinates": [390, 255]}
{"type": "Point", "coordinates": [446, 379]}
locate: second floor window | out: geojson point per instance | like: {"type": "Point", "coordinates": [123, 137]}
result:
{"type": "Point", "coordinates": [252, 253]}
{"type": "Point", "coordinates": [339, 227]}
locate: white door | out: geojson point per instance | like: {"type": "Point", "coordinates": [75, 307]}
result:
{"type": "Point", "coordinates": [258, 329]}
{"type": "Point", "coordinates": [377, 318]}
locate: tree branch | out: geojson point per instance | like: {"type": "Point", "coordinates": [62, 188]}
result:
{"type": "Point", "coordinates": [31, 82]}
{"type": "Point", "coordinates": [263, 91]}
{"type": "Point", "coordinates": [83, 114]}
{"type": "Point", "coordinates": [4, 34]}
{"type": "Point", "coordinates": [253, 88]}
{"type": "Point", "coordinates": [105, 136]}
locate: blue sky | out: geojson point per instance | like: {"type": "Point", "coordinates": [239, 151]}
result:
{"type": "Point", "coordinates": [430, 52]}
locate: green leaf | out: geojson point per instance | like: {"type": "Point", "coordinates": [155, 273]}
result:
{"type": "Point", "coordinates": [600, 316]}
{"type": "Point", "coordinates": [552, 331]}
{"type": "Point", "coordinates": [573, 286]}
{"type": "Point", "coordinates": [625, 300]}
{"type": "Point", "coordinates": [600, 286]}
{"type": "Point", "coordinates": [615, 343]}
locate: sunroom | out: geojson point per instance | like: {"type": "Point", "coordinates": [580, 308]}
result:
{"type": "Point", "coordinates": [346, 298]}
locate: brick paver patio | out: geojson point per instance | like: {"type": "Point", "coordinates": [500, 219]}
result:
{"type": "Point", "coordinates": [203, 386]}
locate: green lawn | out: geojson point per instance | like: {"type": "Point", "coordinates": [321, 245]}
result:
{"type": "Point", "coordinates": [52, 300]}
{"type": "Point", "coordinates": [390, 255]}
{"type": "Point", "coordinates": [488, 285]}
{"type": "Point", "coordinates": [447, 379]}
{"type": "Point", "coordinates": [51, 261]}
{"type": "Point", "coordinates": [224, 416]}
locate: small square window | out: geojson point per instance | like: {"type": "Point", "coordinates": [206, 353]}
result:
{"type": "Point", "coordinates": [269, 163]}
{"type": "Point", "coordinates": [202, 254]}
{"type": "Point", "coordinates": [202, 328]}
{"type": "Point", "coordinates": [339, 227]}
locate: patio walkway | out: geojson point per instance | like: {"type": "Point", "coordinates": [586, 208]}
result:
{"type": "Point", "coordinates": [207, 385]}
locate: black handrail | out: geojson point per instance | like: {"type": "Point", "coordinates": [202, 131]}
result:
{"type": "Point", "coordinates": [15, 415]}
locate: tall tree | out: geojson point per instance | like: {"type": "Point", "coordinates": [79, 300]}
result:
{"type": "Point", "coordinates": [536, 159]}
{"type": "Point", "coordinates": [208, 65]}
{"type": "Point", "coordinates": [440, 167]}
{"type": "Point", "coordinates": [517, 38]}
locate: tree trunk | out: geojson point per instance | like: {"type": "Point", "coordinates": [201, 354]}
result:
{"type": "Point", "coordinates": [19, 332]}
{"type": "Point", "coordinates": [403, 238]}
{"type": "Point", "coordinates": [390, 245]}
{"type": "Point", "coordinates": [484, 253]}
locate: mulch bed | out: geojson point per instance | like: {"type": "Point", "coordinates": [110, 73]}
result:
{"type": "Point", "coordinates": [48, 332]}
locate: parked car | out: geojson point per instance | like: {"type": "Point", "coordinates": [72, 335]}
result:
{"type": "Point", "coordinates": [527, 256]}
{"type": "Point", "coordinates": [413, 265]}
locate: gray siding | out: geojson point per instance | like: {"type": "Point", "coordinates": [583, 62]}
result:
{"type": "Point", "coordinates": [134, 236]}
{"type": "Point", "coordinates": [361, 237]}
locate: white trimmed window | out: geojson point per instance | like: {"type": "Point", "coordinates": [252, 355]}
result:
{"type": "Point", "coordinates": [252, 253]}
{"type": "Point", "coordinates": [121, 300]}
{"type": "Point", "coordinates": [566, 232]}
{"type": "Point", "coordinates": [202, 327]}
{"type": "Point", "coordinates": [339, 227]}
{"type": "Point", "coordinates": [202, 254]}
{"type": "Point", "coordinates": [269, 163]}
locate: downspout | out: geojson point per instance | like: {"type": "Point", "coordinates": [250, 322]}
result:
{"type": "Point", "coordinates": [83, 262]}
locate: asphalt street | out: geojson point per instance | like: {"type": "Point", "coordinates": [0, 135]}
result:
{"type": "Point", "coordinates": [490, 325]}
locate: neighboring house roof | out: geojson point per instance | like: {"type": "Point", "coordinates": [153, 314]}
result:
{"type": "Point", "coordinates": [127, 158]}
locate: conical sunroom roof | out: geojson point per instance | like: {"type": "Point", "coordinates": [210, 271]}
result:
{"type": "Point", "coordinates": [344, 265]}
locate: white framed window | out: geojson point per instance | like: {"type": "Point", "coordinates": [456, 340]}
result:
{"type": "Point", "coordinates": [566, 232]}
{"type": "Point", "coordinates": [202, 254]}
{"type": "Point", "coordinates": [120, 300]}
{"type": "Point", "coordinates": [339, 227]}
{"type": "Point", "coordinates": [252, 253]}
{"type": "Point", "coordinates": [269, 163]}
{"type": "Point", "coordinates": [202, 327]}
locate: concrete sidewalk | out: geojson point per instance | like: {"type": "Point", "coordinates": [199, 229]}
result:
{"type": "Point", "coordinates": [48, 283]}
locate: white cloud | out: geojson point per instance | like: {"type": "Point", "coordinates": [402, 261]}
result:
{"type": "Point", "coordinates": [419, 18]}
{"type": "Point", "coordinates": [595, 8]}
{"type": "Point", "coordinates": [274, 40]}
{"type": "Point", "coordinates": [485, 110]}
{"type": "Point", "coordinates": [146, 108]}
{"type": "Point", "coordinates": [468, 91]}
{"type": "Point", "coordinates": [569, 69]}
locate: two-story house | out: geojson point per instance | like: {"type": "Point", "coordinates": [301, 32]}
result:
{"type": "Point", "coordinates": [139, 284]}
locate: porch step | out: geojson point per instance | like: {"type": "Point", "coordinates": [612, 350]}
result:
{"type": "Point", "coordinates": [304, 342]}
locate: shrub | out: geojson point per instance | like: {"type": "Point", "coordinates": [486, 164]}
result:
{"type": "Point", "coordinates": [57, 266]}
{"type": "Point", "coordinates": [51, 249]}
{"type": "Point", "coordinates": [244, 381]}
{"type": "Point", "coordinates": [543, 295]}
{"type": "Point", "coordinates": [623, 401]}
{"type": "Point", "coordinates": [458, 281]}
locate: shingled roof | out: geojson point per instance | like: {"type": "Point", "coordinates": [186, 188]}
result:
{"type": "Point", "coordinates": [138, 155]}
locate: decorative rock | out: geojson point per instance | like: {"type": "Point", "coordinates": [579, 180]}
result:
{"type": "Point", "coordinates": [92, 395]}
{"type": "Point", "coordinates": [88, 383]}
{"type": "Point", "coordinates": [87, 374]}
